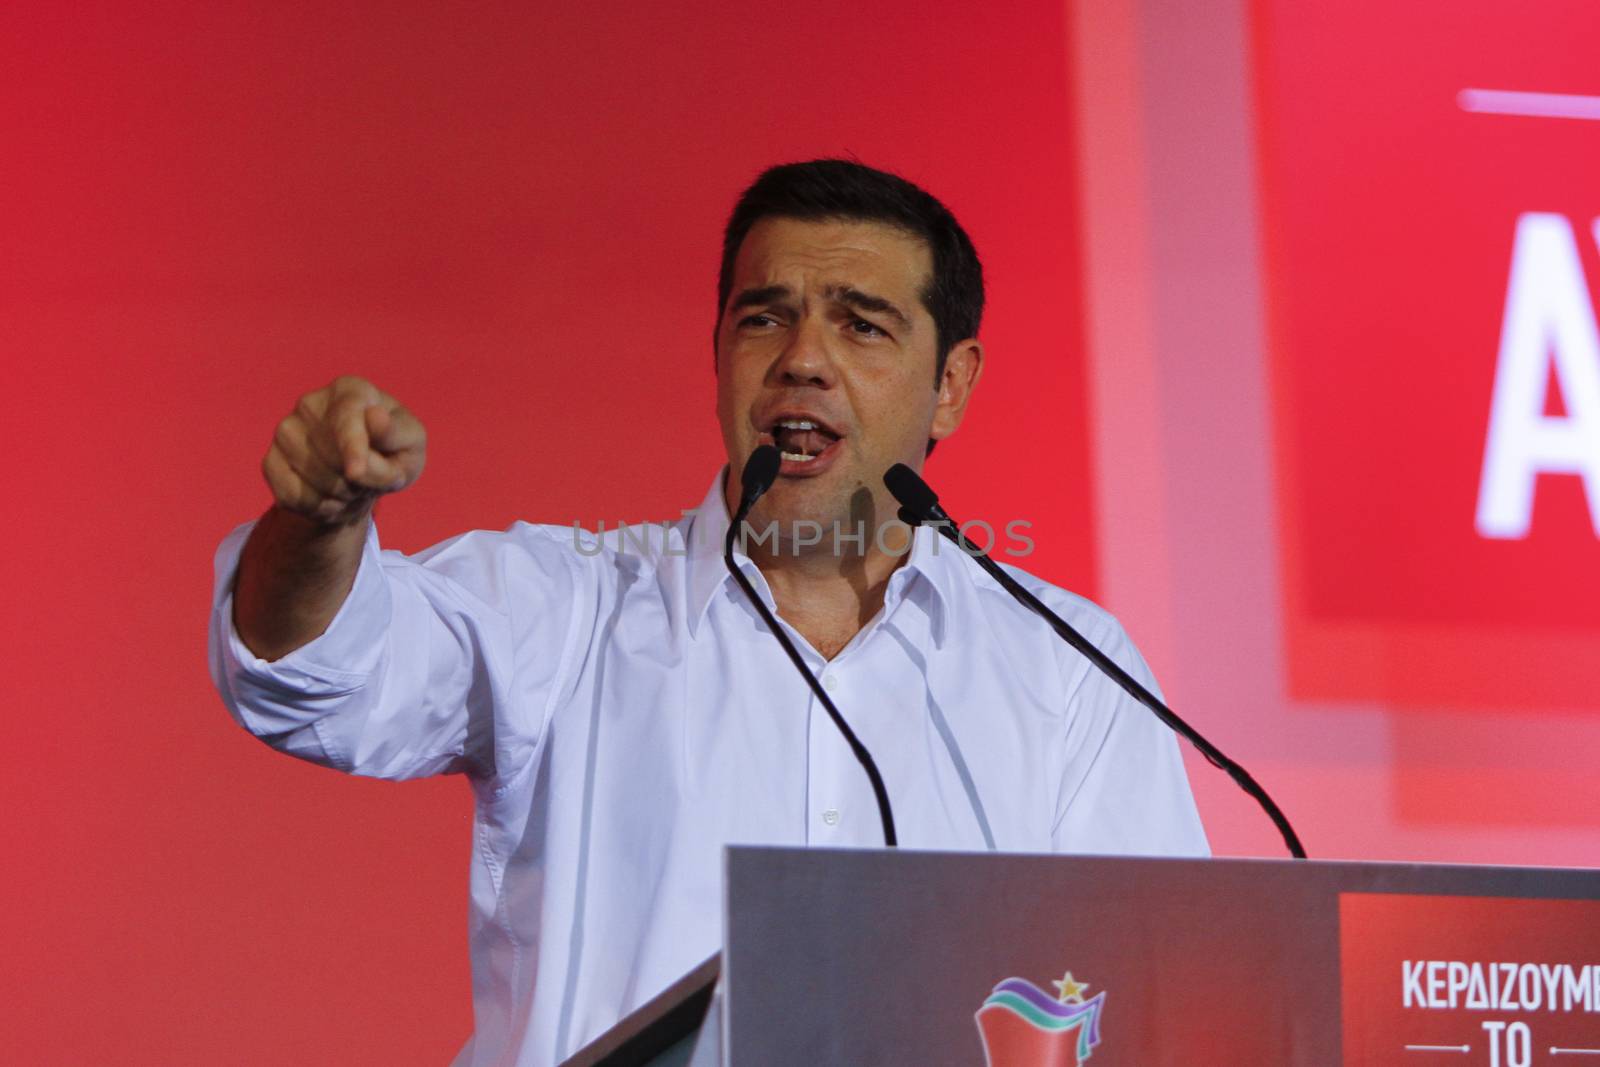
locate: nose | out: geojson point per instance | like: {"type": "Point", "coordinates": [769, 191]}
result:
{"type": "Point", "coordinates": [805, 358]}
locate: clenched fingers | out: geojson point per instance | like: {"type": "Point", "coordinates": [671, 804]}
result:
{"type": "Point", "coordinates": [295, 441]}
{"type": "Point", "coordinates": [342, 446]}
{"type": "Point", "coordinates": [295, 494]}
{"type": "Point", "coordinates": [345, 420]}
{"type": "Point", "coordinates": [399, 446]}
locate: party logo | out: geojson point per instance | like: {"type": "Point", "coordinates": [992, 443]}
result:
{"type": "Point", "coordinates": [1023, 1026]}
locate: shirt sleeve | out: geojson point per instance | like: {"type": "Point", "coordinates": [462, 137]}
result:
{"type": "Point", "coordinates": [419, 672]}
{"type": "Point", "coordinates": [1124, 790]}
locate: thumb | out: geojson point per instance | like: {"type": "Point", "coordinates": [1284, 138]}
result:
{"type": "Point", "coordinates": [393, 430]}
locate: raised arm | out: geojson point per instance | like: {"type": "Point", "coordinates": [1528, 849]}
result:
{"type": "Point", "coordinates": [341, 448]}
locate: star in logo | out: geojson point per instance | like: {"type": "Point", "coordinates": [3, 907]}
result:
{"type": "Point", "coordinates": [1071, 991]}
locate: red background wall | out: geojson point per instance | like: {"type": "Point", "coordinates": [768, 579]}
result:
{"type": "Point", "coordinates": [509, 217]}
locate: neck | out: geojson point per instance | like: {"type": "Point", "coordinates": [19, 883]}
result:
{"type": "Point", "coordinates": [829, 590]}
{"type": "Point", "coordinates": [830, 593]}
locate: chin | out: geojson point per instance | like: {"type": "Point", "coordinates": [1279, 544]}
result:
{"type": "Point", "coordinates": [824, 501]}
{"type": "Point", "coordinates": [786, 502]}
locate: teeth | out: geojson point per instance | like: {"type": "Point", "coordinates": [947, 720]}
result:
{"type": "Point", "coordinates": [797, 424]}
{"type": "Point", "coordinates": [797, 457]}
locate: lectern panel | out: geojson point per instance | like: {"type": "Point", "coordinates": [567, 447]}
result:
{"type": "Point", "coordinates": [840, 957]}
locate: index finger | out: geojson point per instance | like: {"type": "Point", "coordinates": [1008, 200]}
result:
{"type": "Point", "coordinates": [393, 429]}
{"type": "Point", "coordinates": [347, 419]}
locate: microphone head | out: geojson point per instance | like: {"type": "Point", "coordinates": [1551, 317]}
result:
{"type": "Point", "coordinates": [760, 471]}
{"type": "Point", "coordinates": [912, 492]}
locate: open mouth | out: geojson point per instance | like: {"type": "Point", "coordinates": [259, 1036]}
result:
{"type": "Point", "coordinates": [801, 440]}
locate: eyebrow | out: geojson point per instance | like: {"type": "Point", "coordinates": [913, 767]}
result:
{"type": "Point", "coordinates": [767, 294]}
{"type": "Point", "coordinates": [853, 297]}
{"type": "Point", "coordinates": [847, 295]}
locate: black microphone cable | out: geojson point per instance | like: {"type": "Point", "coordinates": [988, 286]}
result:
{"type": "Point", "coordinates": [760, 471]}
{"type": "Point", "coordinates": [919, 504]}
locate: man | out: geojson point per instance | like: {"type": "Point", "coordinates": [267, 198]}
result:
{"type": "Point", "coordinates": [620, 709]}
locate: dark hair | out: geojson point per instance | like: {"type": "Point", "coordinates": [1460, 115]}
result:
{"type": "Point", "coordinates": [843, 189]}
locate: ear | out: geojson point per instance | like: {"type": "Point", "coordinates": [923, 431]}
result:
{"type": "Point", "coordinates": [962, 369]}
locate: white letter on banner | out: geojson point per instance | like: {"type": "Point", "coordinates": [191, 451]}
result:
{"type": "Point", "coordinates": [1549, 324]}
{"type": "Point", "coordinates": [1494, 1030]}
{"type": "Point", "coordinates": [1456, 981]}
{"type": "Point", "coordinates": [1411, 984]}
{"type": "Point", "coordinates": [1477, 990]}
{"type": "Point", "coordinates": [1575, 992]}
{"type": "Point", "coordinates": [1519, 1045]}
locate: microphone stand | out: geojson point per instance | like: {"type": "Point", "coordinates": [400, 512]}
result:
{"type": "Point", "coordinates": [927, 510]}
{"type": "Point", "coordinates": [752, 493]}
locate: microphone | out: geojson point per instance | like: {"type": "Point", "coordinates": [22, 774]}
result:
{"type": "Point", "coordinates": [760, 471]}
{"type": "Point", "coordinates": [919, 504]}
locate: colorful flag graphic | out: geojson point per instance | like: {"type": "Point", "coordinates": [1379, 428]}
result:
{"type": "Point", "coordinates": [1023, 1026]}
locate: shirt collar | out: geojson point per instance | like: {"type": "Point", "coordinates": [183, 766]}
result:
{"type": "Point", "coordinates": [934, 562]}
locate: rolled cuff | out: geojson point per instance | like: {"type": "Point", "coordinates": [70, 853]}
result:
{"type": "Point", "coordinates": [272, 697]}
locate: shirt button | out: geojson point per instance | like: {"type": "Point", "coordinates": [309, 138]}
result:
{"type": "Point", "coordinates": [831, 817]}
{"type": "Point", "coordinates": [830, 681]}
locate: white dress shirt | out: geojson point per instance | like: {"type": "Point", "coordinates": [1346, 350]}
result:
{"type": "Point", "coordinates": [622, 713]}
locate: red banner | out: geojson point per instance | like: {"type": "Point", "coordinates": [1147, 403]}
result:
{"type": "Point", "coordinates": [1469, 980]}
{"type": "Point", "coordinates": [1430, 216]}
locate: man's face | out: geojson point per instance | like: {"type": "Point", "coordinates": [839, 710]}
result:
{"type": "Point", "coordinates": [826, 350]}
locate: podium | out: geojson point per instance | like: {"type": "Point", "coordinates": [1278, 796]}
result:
{"type": "Point", "coordinates": [924, 958]}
